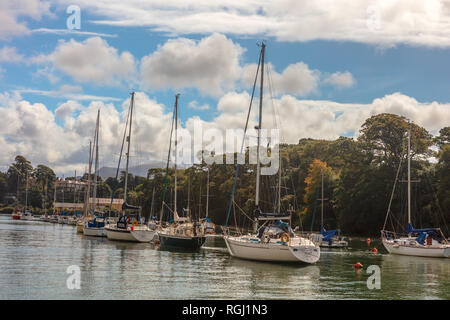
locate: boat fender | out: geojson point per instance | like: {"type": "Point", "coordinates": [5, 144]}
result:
{"type": "Point", "coordinates": [374, 250]}
{"type": "Point", "coordinates": [358, 265]}
{"type": "Point", "coordinates": [284, 237]}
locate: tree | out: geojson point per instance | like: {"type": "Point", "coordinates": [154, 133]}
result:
{"type": "Point", "coordinates": [383, 136]}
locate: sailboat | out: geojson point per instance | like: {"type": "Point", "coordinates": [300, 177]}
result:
{"type": "Point", "coordinates": [128, 227]}
{"type": "Point", "coordinates": [26, 214]}
{"type": "Point", "coordinates": [274, 239]}
{"type": "Point", "coordinates": [182, 233]}
{"type": "Point", "coordinates": [206, 223]}
{"type": "Point", "coordinates": [327, 238]}
{"type": "Point", "coordinates": [95, 226]}
{"type": "Point", "coordinates": [85, 217]}
{"type": "Point", "coordinates": [428, 242]}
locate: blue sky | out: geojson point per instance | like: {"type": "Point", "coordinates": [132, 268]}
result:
{"type": "Point", "coordinates": [339, 66]}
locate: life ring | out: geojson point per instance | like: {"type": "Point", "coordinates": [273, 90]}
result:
{"type": "Point", "coordinates": [134, 223]}
{"type": "Point", "coordinates": [284, 237]}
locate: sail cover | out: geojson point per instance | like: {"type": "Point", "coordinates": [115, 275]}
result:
{"type": "Point", "coordinates": [412, 230]}
{"type": "Point", "coordinates": [327, 235]}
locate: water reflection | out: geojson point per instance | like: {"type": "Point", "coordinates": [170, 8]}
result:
{"type": "Point", "coordinates": [34, 257]}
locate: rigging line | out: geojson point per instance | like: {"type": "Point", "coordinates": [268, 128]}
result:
{"type": "Point", "coordinates": [244, 212]}
{"type": "Point", "coordinates": [120, 158]}
{"type": "Point", "coordinates": [243, 140]}
{"type": "Point", "coordinates": [392, 193]}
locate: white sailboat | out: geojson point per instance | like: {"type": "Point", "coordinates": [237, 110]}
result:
{"type": "Point", "coordinates": [207, 225]}
{"type": "Point", "coordinates": [275, 240]}
{"type": "Point", "coordinates": [327, 238]}
{"type": "Point", "coordinates": [26, 214]}
{"type": "Point", "coordinates": [183, 233]}
{"type": "Point", "coordinates": [128, 227]}
{"type": "Point", "coordinates": [95, 226]}
{"type": "Point", "coordinates": [428, 242]}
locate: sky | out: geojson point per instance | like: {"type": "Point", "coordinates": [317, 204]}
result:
{"type": "Point", "coordinates": [331, 65]}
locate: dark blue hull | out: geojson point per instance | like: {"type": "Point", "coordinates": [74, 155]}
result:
{"type": "Point", "coordinates": [191, 243]}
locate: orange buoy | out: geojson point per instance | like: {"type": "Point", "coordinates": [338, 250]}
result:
{"type": "Point", "coordinates": [358, 265]}
{"type": "Point", "coordinates": [374, 250]}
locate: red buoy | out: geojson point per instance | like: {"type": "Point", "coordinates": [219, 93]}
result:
{"type": "Point", "coordinates": [368, 241]}
{"type": "Point", "coordinates": [374, 250]}
{"type": "Point", "coordinates": [358, 265]}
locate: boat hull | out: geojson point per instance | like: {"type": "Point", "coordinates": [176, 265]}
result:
{"type": "Point", "coordinates": [418, 251]}
{"type": "Point", "coordinates": [16, 216]}
{"type": "Point", "coordinates": [272, 252]}
{"type": "Point", "coordinates": [94, 232]}
{"type": "Point", "coordinates": [175, 241]}
{"type": "Point", "coordinates": [143, 235]}
{"type": "Point", "coordinates": [136, 235]}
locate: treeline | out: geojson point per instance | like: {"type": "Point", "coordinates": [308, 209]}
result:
{"type": "Point", "coordinates": [358, 176]}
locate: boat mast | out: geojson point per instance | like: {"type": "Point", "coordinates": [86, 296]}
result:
{"type": "Point", "coordinates": [88, 190]}
{"type": "Point", "coordinates": [175, 165]}
{"type": "Point", "coordinates": [128, 148]}
{"type": "Point", "coordinates": [409, 175]}
{"type": "Point", "coordinates": [96, 159]}
{"type": "Point", "coordinates": [258, 165]}
{"type": "Point", "coordinates": [321, 209]}
{"type": "Point", "coordinates": [189, 196]}
{"type": "Point", "coordinates": [207, 194]}
{"type": "Point", "coordinates": [279, 186]}
{"type": "Point", "coordinates": [26, 194]}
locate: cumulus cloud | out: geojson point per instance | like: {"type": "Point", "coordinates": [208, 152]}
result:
{"type": "Point", "coordinates": [12, 13]}
{"type": "Point", "coordinates": [31, 129]}
{"type": "Point", "coordinates": [210, 65]}
{"type": "Point", "coordinates": [340, 80]}
{"type": "Point", "coordinates": [385, 23]}
{"type": "Point", "coordinates": [296, 79]}
{"type": "Point", "coordinates": [194, 105]}
{"type": "Point", "coordinates": [92, 61]}
{"type": "Point", "coordinates": [10, 55]}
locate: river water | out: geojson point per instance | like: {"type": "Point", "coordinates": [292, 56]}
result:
{"type": "Point", "coordinates": [34, 257]}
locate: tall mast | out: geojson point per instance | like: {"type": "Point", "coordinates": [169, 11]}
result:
{"type": "Point", "coordinates": [189, 197]}
{"type": "Point", "coordinates": [279, 186]}
{"type": "Point", "coordinates": [207, 194]}
{"type": "Point", "coordinates": [26, 194]}
{"type": "Point", "coordinates": [153, 200]}
{"type": "Point", "coordinates": [96, 159]}
{"type": "Point", "coordinates": [128, 148]}
{"type": "Point", "coordinates": [409, 175]}
{"type": "Point", "coordinates": [321, 209]}
{"type": "Point", "coordinates": [88, 190]}
{"type": "Point", "coordinates": [175, 165]}
{"type": "Point", "coordinates": [258, 165]}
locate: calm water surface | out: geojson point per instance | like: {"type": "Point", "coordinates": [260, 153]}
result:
{"type": "Point", "coordinates": [34, 257]}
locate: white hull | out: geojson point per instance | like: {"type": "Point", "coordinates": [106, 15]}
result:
{"type": "Point", "coordinates": [94, 232]}
{"type": "Point", "coordinates": [434, 251]}
{"type": "Point", "coordinates": [138, 234]}
{"type": "Point", "coordinates": [252, 250]}
{"type": "Point", "coordinates": [27, 217]}
{"type": "Point", "coordinates": [143, 235]}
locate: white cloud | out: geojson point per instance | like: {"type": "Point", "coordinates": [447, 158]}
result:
{"type": "Point", "coordinates": [386, 23]}
{"type": "Point", "coordinates": [10, 54]}
{"type": "Point", "coordinates": [68, 32]}
{"type": "Point", "coordinates": [92, 61]}
{"type": "Point", "coordinates": [12, 13]}
{"type": "Point", "coordinates": [210, 65]}
{"type": "Point", "coordinates": [194, 105]}
{"type": "Point", "coordinates": [31, 129]}
{"type": "Point", "coordinates": [340, 80]}
{"type": "Point", "coordinates": [296, 79]}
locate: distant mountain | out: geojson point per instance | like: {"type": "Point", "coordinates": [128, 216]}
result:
{"type": "Point", "coordinates": [140, 170]}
